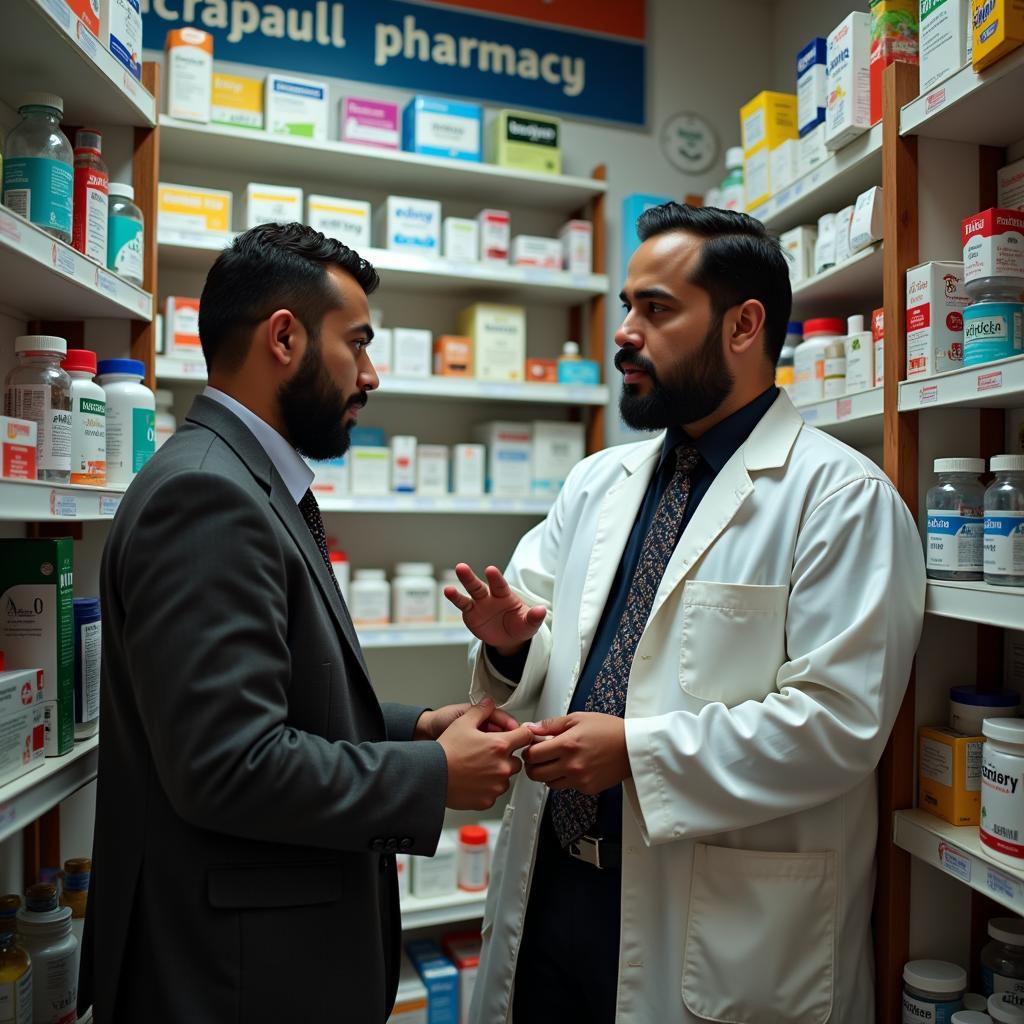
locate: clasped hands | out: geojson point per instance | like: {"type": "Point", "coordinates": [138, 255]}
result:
{"type": "Point", "coordinates": [583, 750]}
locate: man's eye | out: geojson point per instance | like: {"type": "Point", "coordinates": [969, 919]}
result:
{"type": "Point", "coordinates": [362, 344]}
{"type": "Point", "coordinates": [656, 307]}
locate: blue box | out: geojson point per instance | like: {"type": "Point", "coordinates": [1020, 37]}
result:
{"type": "Point", "coordinates": [368, 437]}
{"type": "Point", "coordinates": [441, 978]}
{"type": "Point", "coordinates": [445, 128]}
{"type": "Point", "coordinates": [632, 207]}
{"type": "Point", "coordinates": [579, 371]}
{"type": "Point", "coordinates": [811, 88]}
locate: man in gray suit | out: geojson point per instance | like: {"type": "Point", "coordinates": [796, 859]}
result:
{"type": "Point", "coordinates": [252, 790]}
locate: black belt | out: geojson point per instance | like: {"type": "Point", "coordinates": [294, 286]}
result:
{"type": "Point", "coordinates": [601, 853]}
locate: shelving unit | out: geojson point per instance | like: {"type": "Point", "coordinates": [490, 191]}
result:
{"type": "Point", "coordinates": [997, 385]}
{"type": "Point", "coordinates": [450, 504]}
{"type": "Point", "coordinates": [855, 284]}
{"type": "Point", "coordinates": [429, 912]}
{"type": "Point", "coordinates": [977, 602]}
{"type": "Point", "coordinates": [439, 634]}
{"type": "Point", "coordinates": [36, 501]}
{"type": "Point", "coordinates": [856, 419]}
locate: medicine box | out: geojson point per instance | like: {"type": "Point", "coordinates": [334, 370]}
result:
{"type": "Point", "coordinates": [463, 949]}
{"type": "Point", "coordinates": [811, 151]}
{"type": "Point", "coordinates": [935, 318]}
{"type": "Point", "coordinates": [370, 470]}
{"type": "Point", "coordinates": [1011, 186]}
{"type": "Point", "coordinates": [577, 238]}
{"type": "Point", "coordinates": [404, 224]}
{"type": "Point", "coordinates": [757, 179]}
{"type": "Point", "coordinates": [350, 221]}
{"type": "Point", "coordinates": [17, 449]}
{"type": "Point", "coordinates": [237, 101]}
{"type": "Point", "coordinates": [436, 127]}
{"type": "Point", "coordinates": [949, 775]}
{"type": "Point", "coordinates": [810, 86]}
{"type": "Point", "coordinates": [181, 320]}
{"type": "Point", "coordinates": [782, 165]}
{"type": "Point", "coordinates": [768, 120]}
{"type": "Point", "coordinates": [535, 251]}
{"type": "Point", "coordinates": [89, 13]}
{"type": "Point", "coordinates": [453, 356]}
{"type": "Point", "coordinates": [370, 123]}
{"type": "Point", "coordinates": [893, 38]}
{"type": "Point", "coordinates": [403, 464]}
{"type": "Point", "coordinates": [798, 247]}
{"type": "Point", "coordinates": [22, 723]}
{"type": "Point", "coordinates": [436, 875]}
{"type": "Point", "coordinates": [411, 1001]}
{"type": "Point", "coordinates": [998, 30]}
{"type": "Point", "coordinates": [498, 334]}
{"type": "Point", "coordinates": [188, 60]}
{"type": "Point", "coordinates": [461, 240]}
{"type": "Point", "coordinates": [272, 204]}
{"type": "Point", "coordinates": [382, 350]}
{"type": "Point", "coordinates": [943, 40]}
{"type": "Point", "coordinates": [868, 223]}
{"type": "Point", "coordinates": [495, 235]}
{"type": "Point", "coordinates": [993, 242]}
{"type": "Point", "coordinates": [469, 470]}
{"type": "Point", "coordinates": [330, 477]}
{"type": "Point", "coordinates": [579, 372]}
{"type": "Point", "coordinates": [509, 451]}
{"type": "Point", "coordinates": [556, 447]}
{"type": "Point", "coordinates": [848, 106]}
{"type": "Point", "coordinates": [843, 223]}
{"type": "Point", "coordinates": [412, 352]}
{"type": "Point", "coordinates": [440, 977]}
{"type": "Point", "coordinates": [369, 437]}
{"type": "Point", "coordinates": [189, 209]}
{"type": "Point", "coordinates": [541, 371]}
{"type": "Point", "coordinates": [825, 243]}
{"type": "Point", "coordinates": [527, 142]}
{"type": "Point", "coordinates": [432, 470]}
{"type": "Point", "coordinates": [878, 344]}
{"type": "Point", "coordinates": [123, 34]}
{"type": "Point", "coordinates": [296, 106]}
{"type": "Point", "coordinates": [37, 627]}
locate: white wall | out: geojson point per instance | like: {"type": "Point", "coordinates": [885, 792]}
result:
{"type": "Point", "coordinates": [794, 24]}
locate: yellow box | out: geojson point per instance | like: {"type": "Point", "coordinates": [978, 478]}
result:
{"type": "Point", "coordinates": [949, 774]}
{"type": "Point", "coordinates": [185, 208]}
{"type": "Point", "coordinates": [237, 101]}
{"type": "Point", "coordinates": [998, 30]}
{"type": "Point", "coordinates": [768, 120]}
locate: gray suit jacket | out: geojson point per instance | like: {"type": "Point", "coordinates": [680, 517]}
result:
{"type": "Point", "coordinates": [252, 790]}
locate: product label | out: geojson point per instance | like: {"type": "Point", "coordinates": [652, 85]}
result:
{"type": "Point", "coordinates": [40, 190]}
{"type": "Point", "coordinates": [531, 131]}
{"type": "Point", "coordinates": [954, 541]}
{"type": "Point", "coordinates": [937, 762]}
{"type": "Point", "coordinates": [992, 983]}
{"type": "Point", "coordinates": [126, 34]}
{"type": "Point", "coordinates": [415, 602]}
{"type": "Point", "coordinates": [1004, 543]}
{"type": "Point", "coordinates": [917, 1011]}
{"type": "Point", "coordinates": [993, 330]}
{"type": "Point", "coordinates": [53, 426]}
{"type": "Point", "coordinates": [89, 441]}
{"type": "Point", "coordinates": [89, 235]}
{"type": "Point", "coordinates": [143, 437]}
{"type": "Point", "coordinates": [447, 132]}
{"type": "Point", "coordinates": [55, 987]}
{"type": "Point", "coordinates": [1002, 803]}
{"type": "Point", "coordinates": [87, 676]}
{"type": "Point", "coordinates": [16, 1000]}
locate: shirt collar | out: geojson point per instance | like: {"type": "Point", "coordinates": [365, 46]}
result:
{"type": "Point", "coordinates": [718, 445]}
{"type": "Point", "coordinates": [297, 476]}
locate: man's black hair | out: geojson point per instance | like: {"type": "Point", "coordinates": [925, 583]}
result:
{"type": "Point", "coordinates": [271, 267]}
{"type": "Point", "coordinates": [739, 260]}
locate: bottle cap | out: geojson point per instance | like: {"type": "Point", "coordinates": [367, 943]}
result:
{"type": "Point", "coordinates": [855, 324]}
{"type": "Point", "coordinates": [338, 556]}
{"type": "Point", "coordinates": [370, 574]}
{"type": "Point", "coordinates": [473, 835]}
{"type": "Point", "coordinates": [40, 343]}
{"type": "Point", "coordinates": [935, 976]}
{"type": "Point", "coordinates": [975, 466]}
{"type": "Point", "coordinates": [570, 348]}
{"type": "Point", "coordinates": [1004, 730]}
{"type": "Point", "coordinates": [793, 327]}
{"type": "Point", "coordinates": [1008, 930]}
{"type": "Point", "coordinates": [1007, 464]}
{"type": "Point", "coordinates": [79, 360]}
{"type": "Point", "coordinates": [734, 158]}
{"type": "Point", "coordinates": [414, 569]}
{"type": "Point", "coordinates": [42, 99]}
{"type": "Point", "coordinates": [119, 188]}
{"type": "Point", "coordinates": [41, 897]}
{"type": "Point", "coordinates": [89, 139]}
{"type": "Point", "coordinates": [1005, 1008]}
{"type": "Point", "coordinates": [969, 695]}
{"type": "Point", "coordinates": [824, 325]}
{"type": "Point", "coordinates": [129, 367]}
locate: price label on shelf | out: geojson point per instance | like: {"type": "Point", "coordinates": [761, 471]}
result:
{"type": "Point", "coordinates": [109, 504]}
{"type": "Point", "coordinates": [936, 100]}
{"type": "Point", "coordinates": [8, 814]}
{"type": "Point", "coordinates": [64, 504]}
{"type": "Point", "coordinates": [1001, 885]}
{"type": "Point", "coordinates": [955, 862]}
{"type": "Point", "coordinates": [9, 227]}
{"type": "Point", "coordinates": [86, 40]}
{"type": "Point", "coordinates": [844, 408]}
{"type": "Point", "coordinates": [107, 284]}
{"type": "Point", "coordinates": [928, 395]}
{"type": "Point", "coordinates": [992, 381]}
{"type": "Point", "coordinates": [63, 260]}
{"type": "Point", "coordinates": [60, 12]}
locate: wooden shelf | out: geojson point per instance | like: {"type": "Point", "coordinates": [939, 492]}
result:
{"type": "Point", "coordinates": [855, 419]}
{"type": "Point", "coordinates": [976, 602]}
{"type": "Point", "coordinates": [36, 501]}
{"type": "Point", "coordinates": [997, 385]}
{"type": "Point", "coordinates": [855, 286]}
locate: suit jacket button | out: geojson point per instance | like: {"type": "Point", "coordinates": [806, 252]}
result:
{"type": "Point", "coordinates": [391, 845]}
{"type": "Point", "coordinates": [405, 845]}
{"type": "Point", "coordinates": [377, 845]}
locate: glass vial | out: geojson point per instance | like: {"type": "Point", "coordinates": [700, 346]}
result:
{"type": "Point", "coordinates": [1004, 522]}
{"type": "Point", "coordinates": [955, 521]}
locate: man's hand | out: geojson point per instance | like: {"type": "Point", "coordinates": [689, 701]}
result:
{"type": "Point", "coordinates": [584, 751]}
{"type": "Point", "coordinates": [492, 612]}
{"type": "Point", "coordinates": [432, 723]}
{"type": "Point", "coordinates": [480, 764]}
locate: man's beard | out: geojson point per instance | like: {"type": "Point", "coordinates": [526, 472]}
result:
{"type": "Point", "coordinates": [313, 409]}
{"type": "Point", "coordinates": [692, 390]}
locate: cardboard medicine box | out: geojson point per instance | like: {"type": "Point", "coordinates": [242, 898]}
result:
{"type": "Point", "coordinates": [527, 142]}
{"type": "Point", "coordinates": [17, 449]}
{"type": "Point", "coordinates": [405, 224]}
{"type": "Point", "coordinates": [436, 127]}
{"type": "Point", "coordinates": [189, 209]}
{"type": "Point", "coordinates": [810, 85]}
{"type": "Point", "coordinates": [181, 321]}
{"type": "Point", "coordinates": [188, 59]}
{"type": "Point", "coordinates": [848, 107]}
{"type": "Point", "coordinates": [350, 221]}
{"type": "Point", "coordinates": [237, 101]}
{"type": "Point", "coordinates": [943, 40]}
{"type": "Point", "coordinates": [894, 37]}
{"type": "Point", "coordinates": [296, 106]}
{"type": "Point", "coordinates": [411, 1000]}
{"type": "Point", "coordinates": [370, 123]}
{"type": "Point", "coordinates": [998, 30]}
{"type": "Point", "coordinates": [453, 356]}
{"type": "Point", "coordinates": [936, 301]}
{"type": "Point", "coordinates": [441, 979]}
{"type": "Point", "coordinates": [993, 242]}
{"type": "Point", "coordinates": [949, 775]}
{"type": "Point", "coordinates": [272, 204]}
{"type": "Point", "coordinates": [463, 949]}
{"type": "Point", "coordinates": [499, 340]}
{"type": "Point", "coordinates": [556, 447]}
{"type": "Point", "coordinates": [22, 723]}
{"type": "Point", "coordinates": [769, 119]}
{"type": "Point", "coordinates": [37, 627]}
{"type": "Point", "coordinates": [509, 454]}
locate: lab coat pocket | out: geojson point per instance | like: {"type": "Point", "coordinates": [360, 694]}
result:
{"type": "Point", "coordinates": [497, 870]}
{"type": "Point", "coordinates": [733, 640]}
{"type": "Point", "coordinates": [760, 937]}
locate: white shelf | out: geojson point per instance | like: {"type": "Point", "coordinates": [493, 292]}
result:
{"type": "Point", "coordinates": [998, 385]}
{"type": "Point", "coordinates": [37, 501]}
{"type": "Point", "coordinates": [46, 48]}
{"type": "Point", "coordinates": [855, 419]}
{"type": "Point", "coordinates": [439, 634]}
{"type": "Point", "coordinates": [976, 602]}
{"type": "Point", "coordinates": [957, 851]}
{"type": "Point", "coordinates": [485, 505]}
{"type": "Point", "coordinates": [27, 798]}
{"type": "Point", "coordinates": [983, 108]}
{"type": "Point", "coordinates": [211, 146]}
{"type": "Point", "coordinates": [43, 279]}
{"type": "Point", "coordinates": [829, 187]}
{"type": "Point", "coordinates": [853, 286]}
{"type": "Point", "coordinates": [429, 912]}
{"type": "Point", "coordinates": [411, 272]}
{"type": "Point", "coordinates": [171, 370]}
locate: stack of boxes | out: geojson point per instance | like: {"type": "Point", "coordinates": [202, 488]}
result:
{"type": "Point", "coordinates": [811, 98]}
{"type": "Point", "coordinates": [768, 125]}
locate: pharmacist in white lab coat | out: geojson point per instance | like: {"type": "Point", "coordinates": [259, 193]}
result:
{"type": "Point", "coordinates": [714, 629]}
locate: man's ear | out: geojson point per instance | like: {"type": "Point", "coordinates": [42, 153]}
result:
{"type": "Point", "coordinates": [747, 327]}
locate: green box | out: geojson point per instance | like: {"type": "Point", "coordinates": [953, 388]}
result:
{"type": "Point", "coordinates": [37, 626]}
{"type": "Point", "coordinates": [527, 142]}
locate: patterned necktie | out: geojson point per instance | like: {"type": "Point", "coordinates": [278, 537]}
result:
{"type": "Point", "coordinates": [574, 813]}
{"type": "Point", "coordinates": [315, 521]}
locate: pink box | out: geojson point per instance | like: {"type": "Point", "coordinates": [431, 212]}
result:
{"type": "Point", "coordinates": [370, 123]}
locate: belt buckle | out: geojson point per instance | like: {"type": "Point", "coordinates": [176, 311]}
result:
{"type": "Point", "coordinates": [587, 849]}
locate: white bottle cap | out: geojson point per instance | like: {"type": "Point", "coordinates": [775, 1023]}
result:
{"type": "Point", "coordinates": [370, 574]}
{"type": "Point", "coordinates": [855, 324]}
{"type": "Point", "coordinates": [1007, 464]}
{"type": "Point", "coordinates": [414, 569]}
{"type": "Point", "coordinates": [935, 976]}
{"type": "Point", "coordinates": [1004, 1008]}
{"type": "Point", "coordinates": [40, 343]}
{"type": "Point", "coordinates": [972, 1001]}
{"type": "Point", "coordinates": [970, 1017]}
{"type": "Point", "coordinates": [1008, 930]}
{"type": "Point", "coordinates": [450, 576]}
{"type": "Point", "coordinates": [1004, 730]}
{"type": "Point", "coordinates": [41, 99]}
{"type": "Point", "coordinates": [118, 188]}
{"type": "Point", "coordinates": [163, 396]}
{"type": "Point", "coordinates": [975, 466]}
{"type": "Point", "coordinates": [734, 157]}
{"type": "Point", "coordinates": [570, 348]}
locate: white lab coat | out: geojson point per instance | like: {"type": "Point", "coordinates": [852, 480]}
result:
{"type": "Point", "coordinates": [761, 696]}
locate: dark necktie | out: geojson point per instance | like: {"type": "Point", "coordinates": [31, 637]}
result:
{"type": "Point", "coordinates": [315, 521]}
{"type": "Point", "coordinates": [574, 813]}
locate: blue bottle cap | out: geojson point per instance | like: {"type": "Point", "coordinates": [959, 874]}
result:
{"type": "Point", "coordinates": [87, 607]}
{"type": "Point", "coordinates": [997, 699]}
{"type": "Point", "coordinates": [794, 328]}
{"type": "Point", "coordinates": [130, 366]}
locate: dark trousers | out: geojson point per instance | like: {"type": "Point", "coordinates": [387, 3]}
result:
{"type": "Point", "coordinates": [568, 965]}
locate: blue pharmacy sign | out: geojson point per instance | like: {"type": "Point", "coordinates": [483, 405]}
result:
{"type": "Point", "coordinates": [422, 47]}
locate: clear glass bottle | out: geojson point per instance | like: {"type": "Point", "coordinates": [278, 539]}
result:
{"type": "Point", "coordinates": [126, 234]}
{"type": "Point", "coordinates": [955, 521]}
{"type": "Point", "coordinates": [38, 389]}
{"type": "Point", "coordinates": [39, 166]}
{"type": "Point", "coordinates": [994, 322]}
{"type": "Point", "coordinates": [15, 966]}
{"type": "Point", "coordinates": [1002, 960]}
{"type": "Point", "coordinates": [77, 872]}
{"type": "Point", "coordinates": [1004, 522]}
{"type": "Point", "coordinates": [92, 181]}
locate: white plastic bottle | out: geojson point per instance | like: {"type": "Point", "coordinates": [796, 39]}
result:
{"type": "Point", "coordinates": [860, 356]}
{"type": "Point", "coordinates": [88, 419]}
{"type": "Point", "coordinates": [414, 593]}
{"type": "Point", "coordinates": [164, 422]}
{"type": "Point", "coordinates": [809, 358]}
{"type": "Point", "coordinates": [45, 932]}
{"type": "Point", "coordinates": [446, 611]}
{"type": "Point", "coordinates": [131, 412]}
{"type": "Point", "coordinates": [835, 370]}
{"type": "Point", "coordinates": [371, 598]}
{"type": "Point", "coordinates": [732, 197]}
{"type": "Point", "coordinates": [339, 563]}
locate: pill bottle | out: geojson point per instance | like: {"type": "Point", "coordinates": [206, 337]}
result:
{"type": "Point", "coordinates": [15, 966]}
{"type": "Point", "coordinates": [785, 375]}
{"type": "Point", "coordinates": [835, 370]}
{"type": "Point", "coordinates": [994, 322]}
{"type": "Point", "coordinates": [932, 990]}
{"type": "Point", "coordinates": [1002, 790]}
{"type": "Point", "coordinates": [414, 592]}
{"type": "Point", "coordinates": [45, 931]}
{"type": "Point", "coordinates": [131, 412]}
{"type": "Point", "coordinates": [126, 233]}
{"type": "Point", "coordinates": [75, 895]}
{"type": "Point", "coordinates": [38, 389]}
{"type": "Point", "coordinates": [968, 708]}
{"type": "Point", "coordinates": [88, 630]}
{"type": "Point", "coordinates": [474, 858]}
{"type": "Point", "coordinates": [39, 166]}
{"type": "Point", "coordinates": [446, 611]}
{"type": "Point", "coordinates": [88, 419]}
{"type": "Point", "coordinates": [340, 565]}
{"type": "Point", "coordinates": [1006, 1008]}
{"type": "Point", "coordinates": [164, 423]}
{"type": "Point", "coordinates": [1002, 960]}
{"type": "Point", "coordinates": [970, 1017]}
{"type": "Point", "coordinates": [90, 204]}
{"type": "Point", "coordinates": [973, 1001]}
{"type": "Point", "coordinates": [955, 521]}
{"type": "Point", "coordinates": [1004, 522]}
{"type": "Point", "coordinates": [371, 598]}
{"type": "Point", "coordinates": [809, 359]}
